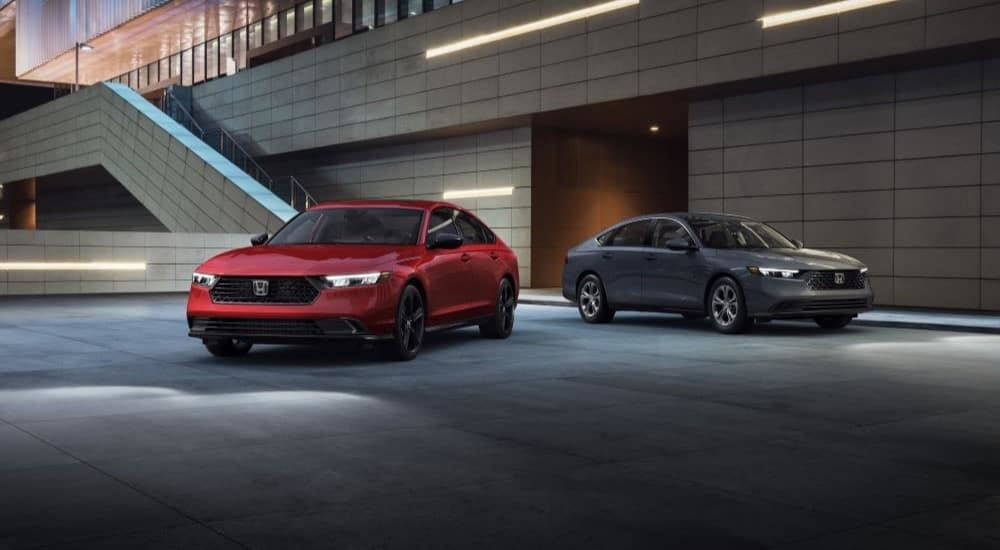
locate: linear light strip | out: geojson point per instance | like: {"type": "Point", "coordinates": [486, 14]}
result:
{"type": "Point", "coordinates": [72, 266]}
{"type": "Point", "coordinates": [832, 8]}
{"type": "Point", "coordinates": [479, 193]}
{"type": "Point", "coordinates": [531, 27]}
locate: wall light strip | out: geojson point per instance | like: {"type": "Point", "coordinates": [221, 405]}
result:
{"type": "Point", "coordinates": [531, 27]}
{"type": "Point", "coordinates": [832, 8]}
{"type": "Point", "coordinates": [72, 266]}
{"type": "Point", "coordinates": [479, 193]}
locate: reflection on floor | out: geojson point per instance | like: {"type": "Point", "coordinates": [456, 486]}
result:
{"type": "Point", "coordinates": [887, 317]}
{"type": "Point", "coordinates": [116, 430]}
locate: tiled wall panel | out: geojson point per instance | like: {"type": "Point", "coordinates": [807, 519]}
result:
{"type": "Point", "coordinates": [380, 83]}
{"type": "Point", "coordinates": [170, 258]}
{"type": "Point", "coordinates": [900, 170]}
{"type": "Point", "coordinates": [426, 169]}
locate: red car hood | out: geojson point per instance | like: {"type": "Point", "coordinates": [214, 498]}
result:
{"type": "Point", "coordinates": [308, 259]}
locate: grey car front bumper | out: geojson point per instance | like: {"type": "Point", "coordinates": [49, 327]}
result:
{"type": "Point", "coordinates": [771, 298]}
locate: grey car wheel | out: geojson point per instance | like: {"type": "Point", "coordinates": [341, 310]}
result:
{"type": "Point", "coordinates": [592, 302]}
{"type": "Point", "coordinates": [727, 308]}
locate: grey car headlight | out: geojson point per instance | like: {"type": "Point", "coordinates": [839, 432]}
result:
{"type": "Point", "coordinates": [202, 279]}
{"type": "Point", "coordinates": [359, 279]}
{"type": "Point", "coordinates": [773, 272]}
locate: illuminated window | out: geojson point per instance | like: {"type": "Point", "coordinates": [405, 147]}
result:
{"type": "Point", "coordinates": [364, 15]}
{"type": "Point", "coordinates": [304, 16]}
{"type": "Point", "coordinates": [325, 11]}
{"type": "Point", "coordinates": [345, 18]}
{"type": "Point", "coordinates": [212, 59]}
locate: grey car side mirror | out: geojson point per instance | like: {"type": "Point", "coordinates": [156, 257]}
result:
{"type": "Point", "coordinates": [258, 240]}
{"type": "Point", "coordinates": [798, 243]}
{"type": "Point", "coordinates": [445, 240]}
{"type": "Point", "coordinates": [680, 244]}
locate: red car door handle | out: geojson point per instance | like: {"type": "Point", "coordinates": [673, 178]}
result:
{"type": "Point", "coordinates": [466, 257]}
{"type": "Point", "coordinates": [494, 255]}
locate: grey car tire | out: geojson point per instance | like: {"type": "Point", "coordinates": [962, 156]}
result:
{"type": "Point", "coordinates": [227, 347]}
{"type": "Point", "coordinates": [592, 301]}
{"type": "Point", "coordinates": [501, 324]}
{"type": "Point", "coordinates": [727, 307]}
{"type": "Point", "coordinates": [834, 321]}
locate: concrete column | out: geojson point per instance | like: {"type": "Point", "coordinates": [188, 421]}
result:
{"type": "Point", "coordinates": [19, 204]}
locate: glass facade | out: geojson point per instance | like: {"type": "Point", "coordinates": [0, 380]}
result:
{"type": "Point", "coordinates": [229, 53]}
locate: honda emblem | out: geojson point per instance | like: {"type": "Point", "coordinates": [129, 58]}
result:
{"type": "Point", "coordinates": [837, 278]}
{"type": "Point", "coordinates": [260, 287]}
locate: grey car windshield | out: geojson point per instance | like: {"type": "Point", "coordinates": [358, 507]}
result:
{"type": "Point", "coordinates": [398, 226]}
{"type": "Point", "coordinates": [734, 233]}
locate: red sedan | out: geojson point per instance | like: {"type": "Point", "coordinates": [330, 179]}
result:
{"type": "Point", "coordinates": [384, 271]}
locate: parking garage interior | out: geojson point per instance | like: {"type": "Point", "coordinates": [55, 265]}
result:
{"type": "Point", "coordinates": [872, 132]}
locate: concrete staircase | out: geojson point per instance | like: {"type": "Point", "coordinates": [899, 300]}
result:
{"type": "Point", "coordinates": [186, 184]}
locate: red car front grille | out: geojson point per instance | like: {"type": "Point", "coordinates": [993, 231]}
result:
{"type": "Point", "coordinates": [251, 290]}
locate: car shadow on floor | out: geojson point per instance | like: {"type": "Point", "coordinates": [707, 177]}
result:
{"type": "Point", "coordinates": [805, 327]}
{"type": "Point", "coordinates": [341, 354]}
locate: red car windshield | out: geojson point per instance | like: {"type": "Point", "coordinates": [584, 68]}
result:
{"type": "Point", "coordinates": [387, 226]}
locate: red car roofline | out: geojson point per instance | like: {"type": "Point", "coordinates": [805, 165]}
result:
{"type": "Point", "coordinates": [385, 203]}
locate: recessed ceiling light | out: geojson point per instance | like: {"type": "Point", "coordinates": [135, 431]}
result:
{"type": "Point", "coordinates": [479, 193]}
{"type": "Point", "coordinates": [823, 10]}
{"type": "Point", "coordinates": [654, 128]}
{"type": "Point", "coordinates": [538, 25]}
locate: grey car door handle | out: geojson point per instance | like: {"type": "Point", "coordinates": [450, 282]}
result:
{"type": "Point", "coordinates": [650, 257]}
{"type": "Point", "coordinates": [607, 255]}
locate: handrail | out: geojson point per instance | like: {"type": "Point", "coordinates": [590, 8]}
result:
{"type": "Point", "coordinates": [172, 102]}
{"type": "Point", "coordinates": [229, 147]}
{"type": "Point", "coordinates": [295, 186]}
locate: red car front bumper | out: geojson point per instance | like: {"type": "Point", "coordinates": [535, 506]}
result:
{"type": "Point", "coordinates": [363, 312]}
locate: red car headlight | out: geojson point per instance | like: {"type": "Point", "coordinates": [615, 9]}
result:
{"type": "Point", "coordinates": [203, 279]}
{"type": "Point", "coordinates": [358, 279]}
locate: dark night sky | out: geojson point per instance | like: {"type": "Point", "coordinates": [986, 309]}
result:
{"type": "Point", "coordinates": [15, 98]}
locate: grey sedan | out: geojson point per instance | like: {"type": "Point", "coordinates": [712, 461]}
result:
{"type": "Point", "coordinates": [732, 269]}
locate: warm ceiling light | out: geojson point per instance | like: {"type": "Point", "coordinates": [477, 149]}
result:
{"type": "Point", "coordinates": [654, 128]}
{"type": "Point", "coordinates": [72, 266]}
{"type": "Point", "coordinates": [479, 193]}
{"type": "Point", "coordinates": [832, 8]}
{"type": "Point", "coordinates": [531, 27]}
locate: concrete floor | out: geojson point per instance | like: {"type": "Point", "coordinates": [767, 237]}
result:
{"type": "Point", "coordinates": [118, 431]}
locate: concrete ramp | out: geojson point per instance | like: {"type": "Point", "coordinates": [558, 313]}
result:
{"type": "Point", "coordinates": [184, 183]}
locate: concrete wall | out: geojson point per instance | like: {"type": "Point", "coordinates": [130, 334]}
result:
{"type": "Point", "coordinates": [901, 170]}
{"type": "Point", "coordinates": [380, 83]}
{"type": "Point", "coordinates": [170, 259]}
{"type": "Point", "coordinates": [424, 170]}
